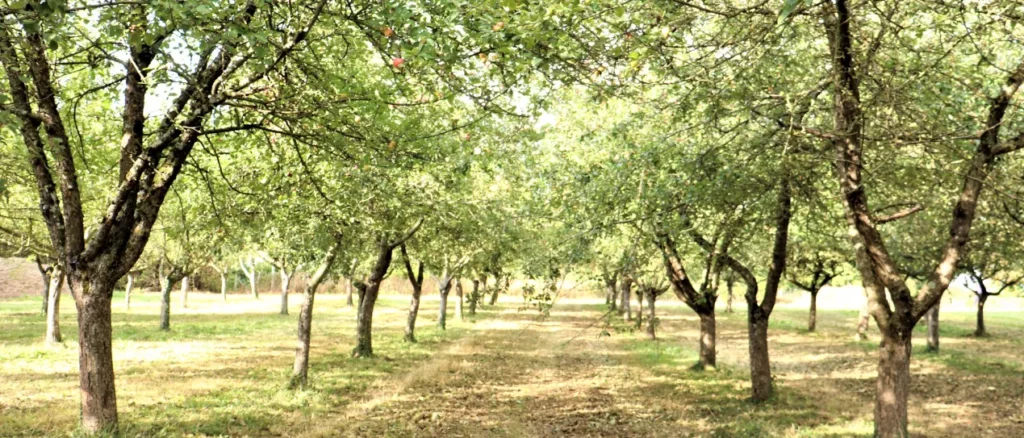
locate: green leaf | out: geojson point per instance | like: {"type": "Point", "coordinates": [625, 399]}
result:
{"type": "Point", "coordinates": [787, 8]}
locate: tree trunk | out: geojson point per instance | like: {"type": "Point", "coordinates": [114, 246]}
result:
{"type": "Point", "coordinates": [368, 299]}
{"type": "Point", "coordinates": [414, 310]}
{"type": "Point", "coordinates": [442, 312]}
{"type": "Point", "coordinates": [639, 308]}
{"type": "Point", "coordinates": [651, 321]}
{"type": "Point", "coordinates": [760, 367]}
{"type": "Point", "coordinates": [863, 319]}
{"type": "Point", "coordinates": [613, 294]}
{"type": "Point", "coordinates": [707, 341]}
{"type": "Point", "coordinates": [348, 292]}
{"type": "Point", "coordinates": [252, 283]}
{"type": "Point", "coordinates": [286, 280]}
{"type": "Point", "coordinates": [812, 318]}
{"type": "Point", "coordinates": [95, 358]}
{"type": "Point", "coordinates": [474, 297]}
{"type": "Point", "coordinates": [300, 370]}
{"type": "Point", "coordinates": [128, 292]}
{"type": "Point", "coordinates": [184, 292]}
{"type": "Point", "coordinates": [223, 286]}
{"type": "Point", "coordinates": [933, 328]}
{"type": "Point", "coordinates": [165, 303]}
{"type": "Point", "coordinates": [980, 329]}
{"type": "Point", "coordinates": [53, 307]}
{"type": "Point", "coordinates": [627, 312]}
{"type": "Point", "coordinates": [46, 273]}
{"type": "Point", "coordinates": [458, 300]}
{"type": "Point", "coordinates": [893, 386]}
{"type": "Point", "coordinates": [496, 289]}
{"type": "Point", "coordinates": [729, 283]}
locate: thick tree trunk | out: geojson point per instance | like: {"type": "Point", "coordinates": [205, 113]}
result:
{"type": "Point", "coordinates": [95, 359]}
{"type": "Point", "coordinates": [495, 290]}
{"type": "Point", "coordinates": [979, 330]}
{"type": "Point", "coordinates": [651, 320]}
{"type": "Point", "coordinates": [53, 307]}
{"type": "Point", "coordinates": [184, 292]}
{"type": "Point", "coordinates": [458, 300]}
{"type": "Point", "coordinates": [300, 370]}
{"type": "Point", "coordinates": [165, 303]}
{"type": "Point", "coordinates": [893, 386]}
{"type": "Point", "coordinates": [128, 292]}
{"type": "Point", "coordinates": [812, 318]}
{"type": "Point", "coordinates": [474, 297]}
{"type": "Point", "coordinates": [368, 299]}
{"type": "Point", "coordinates": [442, 312]}
{"type": "Point", "coordinates": [707, 341]}
{"type": "Point", "coordinates": [613, 293]}
{"type": "Point", "coordinates": [933, 328]}
{"type": "Point", "coordinates": [286, 280]}
{"type": "Point", "coordinates": [760, 367]}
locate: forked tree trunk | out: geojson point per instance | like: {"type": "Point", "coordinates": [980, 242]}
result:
{"type": "Point", "coordinates": [651, 320]}
{"type": "Point", "coordinates": [933, 328]}
{"type": "Point", "coordinates": [812, 317]}
{"type": "Point", "coordinates": [95, 358]}
{"type": "Point", "coordinates": [368, 299]}
{"type": "Point", "coordinates": [286, 279]}
{"type": "Point", "coordinates": [416, 279]}
{"type": "Point", "coordinates": [979, 330]}
{"type": "Point", "coordinates": [53, 307]}
{"type": "Point", "coordinates": [184, 292]}
{"type": "Point", "coordinates": [128, 292]}
{"type": "Point", "coordinates": [760, 367]}
{"type": "Point", "coordinates": [707, 341]}
{"type": "Point", "coordinates": [300, 370]}
{"type": "Point", "coordinates": [893, 385]}
{"type": "Point", "coordinates": [46, 274]}
{"type": "Point", "coordinates": [458, 300]}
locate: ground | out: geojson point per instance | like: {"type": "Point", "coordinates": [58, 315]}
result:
{"type": "Point", "coordinates": [222, 370]}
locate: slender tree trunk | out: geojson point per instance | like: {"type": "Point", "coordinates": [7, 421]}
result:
{"type": "Point", "coordinates": [184, 292]}
{"type": "Point", "coordinates": [458, 300]}
{"type": "Point", "coordinates": [252, 283]}
{"type": "Point", "coordinates": [639, 308]}
{"type": "Point", "coordinates": [46, 273]}
{"type": "Point", "coordinates": [223, 286]}
{"type": "Point", "coordinates": [651, 320]}
{"type": "Point", "coordinates": [414, 310]}
{"type": "Point", "coordinates": [729, 283]}
{"type": "Point", "coordinates": [286, 280]}
{"type": "Point", "coordinates": [496, 289]}
{"type": "Point", "coordinates": [760, 367]}
{"type": "Point", "coordinates": [980, 329]}
{"type": "Point", "coordinates": [707, 340]}
{"type": "Point", "coordinates": [812, 318]}
{"type": "Point", "coordinates": [612, 293]}
{"type": "Point", "coordinates": [95, 358]}
{"type": "Point", "coordinates": [474, 297]}
{"type": "Point", "coordinates": [442, 312]}
{"type": "Point", "coordinates": [300, 370]}
{"type": "Point", "coordinates": [933, 328]}
{"type": "Point", "coordinates": [627, 312]}
{"type": "Point", "coordinates": [128, 292]}
{"type": "Point", "coordinates": [165, 303]}
{"type": "Point", "coordinates": [893, 386]}
{"type": "Point", "coordinates": [53, 307]}
{"type": "Point", "coordinates": [348, 293]}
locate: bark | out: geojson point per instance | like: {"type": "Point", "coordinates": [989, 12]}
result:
{"type": "Point", "coordinates": [474, 297]}
{"type": "Point", "coordinates": [368, 291]}
{"type": "Point", "coordinates": [128, 292]}
{"type": "Point", "coordinates": [893, 385]}
{"type": "Point", "coordinates": [639, 307]}
{"type": "Point", "coordinates": [416, 278]}
{"type": "Point", "coordinates": [348, 292]}
{"type": "Point", "coordinates": [729, 283]}
{"type": "Point", "coordinates": [165, 303]}
{"type": "Point", "coordinates": [707, 341]}
{"type": "Point", "coordinates": [95, 359]}
{"type": "Point", "coordinates": [933, 329]}
{"type": "Point", "coordinates": [300, 370]}
{"type": "Point", "coordinates": [496, 289]}
{"type": "Point", "coordinates": [863, 319]}
{"type": "Point", "coordinates": [223, 286]}
{"type": "Point", "coordinates": [458, 300]}
{"type": "Point", "coordinates": [625, 310]}
{"type": "Point", "coordinates": [812, 318]}
{"type": "Point", "coordinates": [286, 279]}
{"type": "Point", "coordinates": [652, 322]}
{"type": "Point", "coordinates": [760, 367]}
{"type": "Point", "coordinates": [53, 307]}
{"type": "Point", "coordinates": [444, 287]}
{"type": "Point", "coordinates": [250, 274]}
{"type": "Point", "coordinates": [46, 274]}
{"type": "Point", "coordinates": [979, 330]}
{"type": "Point", "coordinates": [184, 292]}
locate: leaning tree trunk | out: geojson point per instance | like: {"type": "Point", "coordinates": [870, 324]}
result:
{"type": "Point", "coordinates": [53, 307]}
{"type": "Point", "coordinates": [707, 340]}
{"type": "Point", "coordinates": [979, 330]}
{"type": "Point", "coordinates": [458, 300]}
{"type": "Point", "coordinates": [184, 292]}
{"type": "Point", "coordinates": [95, 357]}
{"type": "Point", "coordinates": [933, 328]}
{"type": "Point", "coordinates": [812, 317]}
{"type": "Point", "coordinates": [495, 290]}
{"type": "Point", "coordinates": [128, 292]}
{"type": "Point", "coordinates": [893, 384]}
{"type": "Point", "coordinates": [286, 280]}
{"type": "Point", "coordinates": [651, 320]}
{"type": "Point", "coordinates": [165, 303]}
{"type": "Point", "coordinates": [414, 310]}
{"type": "Point", "coordinates": [300, 370]}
